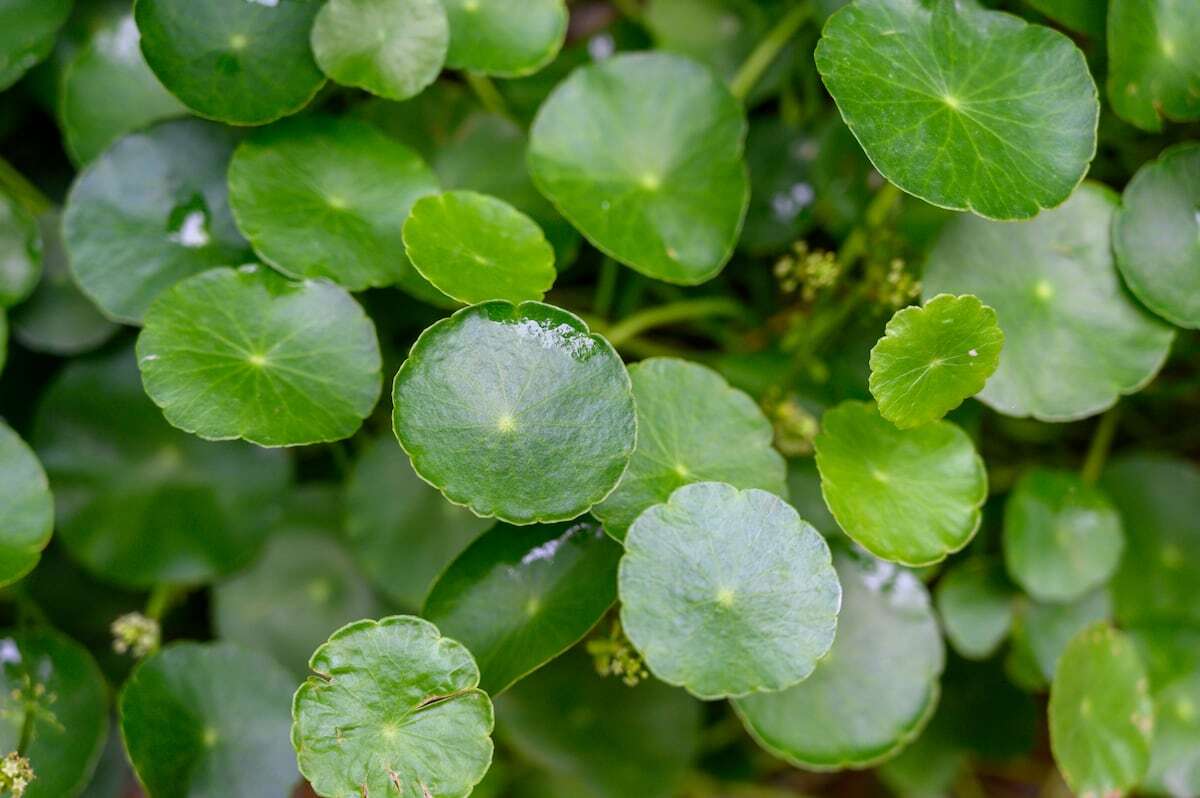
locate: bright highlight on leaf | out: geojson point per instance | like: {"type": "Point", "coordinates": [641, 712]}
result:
{"type": "Point", "coordinates": [931, 358]}
{"type": "Point", "coordinates": [26, 508]}
{"type": "Point", "coordinates": [507, 38]}
{"type": "Point", "coordinates": [225, 351]}
{"type": "Point", "coordinates": [393, 707]}
{"type": "Point", "coordinates": [1153, 62]}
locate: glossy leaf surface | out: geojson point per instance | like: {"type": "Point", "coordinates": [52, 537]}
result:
{"type": "Point", "coordinates": [26, 507]}
{"type": "Point", "coordinates": [507, 38]}
{"type": "Point", "coordinates": [975, 603]}
{"type": "Point", "coordinates": [1153, 65]}
{"type": "Point", "coordinates": [27, 31]}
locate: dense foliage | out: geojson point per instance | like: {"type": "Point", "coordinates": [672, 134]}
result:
{"type": "Point", "coordinates": [599, 399]}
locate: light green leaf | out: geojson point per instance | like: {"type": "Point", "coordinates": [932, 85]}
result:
{"type": "Point", "coordinates": [473, 248]}
{"type": "Point", "coordinates": [149, 212]}
{"type": "Point", "coordinates": [27, 32]}
{"type": "Point", "coordinates": [1101, 715]}
{"type": "Point", "coordinates": [498, 392]}
{"type": "Point", "coordinates": [507, 38]}
{"type": "Point", "coordinates": [244, 62]}
{"type": "Point", "coordinates": [711, 574]}
{"type": "Point", "coordinates": [1074, 338]}
{"type": "Point", "coordinates": [1062, 536]}
{"type": "Point", "coordinates": [964, 107]}
{"type": "Point", "coordinates": [1045, 629]}
{"type": "Point", "coordinates": [1155, 238]}
{"type": "Point", "coordinates": [393, 48]}
{"type": "Point", "coordinates": [976, 605]}
{"type": "Point", "coordinates": [643, 154]}
{"type": "Point", "coordinates": [687, 417]}
{"type": "Point", "coordinates": [520, 596]}
{"type": "Point", "coordinates": [208, 719]}
{"type": "Point", "coordinates": [876, 689]}
{"type": "Point", "coordinates": [20, 252]}
{"type": "Point", "coordinates": [1153, 61]}
{"type": "Point", "coordinates": [931, 358]}
{"type": "Point", "coordinates": [26, 507]}
{"type": "Point", "coordinates": [247, 354]}
{"type": "Point", "coordinates": [909, 496]}
{"type": "Point", "coordinates": [393, 707]}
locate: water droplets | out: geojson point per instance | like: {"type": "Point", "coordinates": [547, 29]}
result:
{"type": "Point", "coordinates": [558, 336]}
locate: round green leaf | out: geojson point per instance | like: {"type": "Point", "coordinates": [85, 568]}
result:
{"type": "Point", "coordinates": [1172, 657]}
{"type": "Point", "coordinates": [27, 32]}
{"type": "Point", "coordinates": [1062, 536]}
{"type": "Point", "coordinates": [875, 690]}
{"type": "Point", "coordinates": [20, 252]}
{"type": "Point", "coordinates": [1045, 629]}
{"type": "Point", "coordinates": [1074, 338]}
{"type": "Point", "coordinates": [643, 154]}
{"type": "Point", "coordinates": [964, 107]}
{"type": "Point", "coordinates": [909, 496]}
{"type": "Point", "coordinates": [1153, 62]}
{"type": "Point", "coordinates": [52, 683]}
{"type": "Point", "coordinates": [393, 708]}
{"type": "Point", "coordinates": [26, 507]}
{"type": "Point", "coordinates": [727, 592]}
{"type": "Point", "coordinates": [498, 392]}
{"type": "Point", "coordinates": [149, 212]}
{"type": "Point", "coordinates": [400, 531]}
{"type": "Point", "coordinates": [520, 596]}
{"type": "Point", "coordinates": [351, 184]}
{"type": "Point", "coordinates": [208, 719]}
{"type": "Point", "coordinates": [248, 354]}
{"type": "Point", "coordinates": [246, 62]}
{"type": "Point", "coordinates": [393, 48]}
{"type": "Point", "coordinates": [507, 38]}
{"type": "Point", "coordinates": [140, 503]}
{"type": "Point", "coordinates": [687, 417]}
{"type": "Point", "coordinates": [1155, 237]}
{"type": "Point", "coordinates": [1101, 715]}
{"type": "Point", "coordinates": [473, 248]}
{"type": "Point", "coordinates": [931, 358]}
{"type": "Point", "coordinates": [975, 603]}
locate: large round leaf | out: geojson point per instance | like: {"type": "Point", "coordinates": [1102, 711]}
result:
{"type": "Point", "coordinates": [393, 48]}
{"type": "Point", "coordinates": [1101, 714]}
{"type": "Point", "coordinates": [875, 690]}
{"type": "Point", "coordinates": [498, 392]}
{"type": "Point", "coordinates": [326, 197]}
{"type": "Point", "coordinates": [507, 38]}
{"type": "Point", "coordinates": [246, 62]}
{"type": "Point", "coordinates": [1062, 536]}
{"type": "Point", "coordinates": [976, 606]}
{"type": "Point", "coordinates": [209, 719]}
{"type": "Point", "coordinates": [964, 107]}
{"type": "Point", "coordinates": [520, 596]}
{"type": "Point", "coordinates": [51, 683]}
{"type": "Point", "coordinates": [687, 417]}
{"type": "Point", "coordinates": [910, 496]}
{"type": "Point", "coordinates": [643, 153]}
{"type": "Point", "coordinates": [473, 248]}
{"type": "Point", "coordinates": [1153, 62]}
{"type": "Point", "coordinates": [26, 507]}
{"type": "Point", "coordinates": [931, 358]}
{"type": "Point", "coordinates": [149, 212]}
{"type": "Point", "coordinates": [393, 707]}
{"type": "Point", "coordinates": [1154, 234]}
{"type": "Point", "coordinates": [20, 252]}
{"type": "Point", "coordinates": [27, 31]}
{"type": "Point", "coordinates": [139, 502]}
{"type": "Point", "coordinates": [248, 354]}
{"type": "Point", "coordinates": [727, 592]}
{"type": "Point", "coordinates": [1074, 338]}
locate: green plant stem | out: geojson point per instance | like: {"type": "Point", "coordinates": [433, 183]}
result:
{"type": "Point", "coordinates": [606, 287]}
{"type": "Point", "coordinates": [1102, 439]}
{"type": "Point", "coordinates": [881, 205]}
{"type": "Point", "coordinates": [673, 313]}
{"type": "Point", "coordinates": [488, 94]}
{"type": "Point", "coordinates": [19, 188]}
{"type": "Point", "coordinates": [27, 728]}
{"type": "Point", "coordinates": [161, 599]}
{"type": "Point", "coordinates": [761, 58]}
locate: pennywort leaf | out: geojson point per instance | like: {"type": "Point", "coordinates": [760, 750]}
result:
{"type": "Point", "coordinates": [976, 605]}
{"type": "Point", "coordinates": [507, 38]}
{"type": "Point", "coordinates": [26, 507]}
{"type": "Point", "coordinates": [27, 31]}
{"type": "Point", "coordinates": [1153, 72]}
{"type": "Point", "coordinates": [21, 245]}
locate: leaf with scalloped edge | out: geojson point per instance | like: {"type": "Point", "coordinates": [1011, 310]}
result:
{"type": "Point", "coordinates": [1153, 61]}
{"type": "Point", "coordinates": [506, 38]}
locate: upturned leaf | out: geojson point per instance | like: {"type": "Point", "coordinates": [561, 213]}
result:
{"type": "Point", "coordinates": [976, 606]}
{"type": "Point", "coordinates": [1153, 63]}
{"type": "Point", "coordinates": [507, 38]}
{"type": "Point", "coordinates": [26, 507]}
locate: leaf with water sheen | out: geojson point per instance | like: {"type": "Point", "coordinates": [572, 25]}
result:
{"type": "Point", "coordinates": [27, 32]}
{"type": "Point", "coordinates": [1074, 338]}
{"type": "Point", "coordinates": [393, 708]}
{"type": "Point", "coordinates": [909, 496]}
{"type": "Point", "coordinates": [499, 392]}
{"type": "Point", "coordinates": [506, 38]}
{"type": "Point", "coordinates": [473, 248]}
{"type": "Point", "coordinates": [711, 574]}
{"type": "Point", "coordinates": [520, 596]}
{"type": "Point", "coordinates": [21, 248]}
{"type": "Point", "coordinates": [1153, 61]}
{"type": "Point", "coordinates": [876, 689]}
{"type": "Point", "coordinates": [26, 507]}
{"type": "Point", "coordinates": [643, 154]}
{"type": "Point", "coordinates": [245, 62]}
{"type": "Point", "coordinates": [248, 354]}
{"type": "Point", "coordinates": [976, 605]}
{"type": "Point", "coordinates": [964, 107]}
{"type": "Point", "coordinates": [687, 416]}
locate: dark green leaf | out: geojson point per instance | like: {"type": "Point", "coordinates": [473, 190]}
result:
{"type": "Point", "coordinates": [975, 603]}
{"type": "Point", "coordinates": [1045, 629]}
{"type": "Point", "coordinates": [505, 37]}
{"type": "Point", "coordinates": [20, 252]}
{"type": "Point", "coordinates": [26, 507]}
{"type": "Point", "coordinates": [1084, 16]}
{"type": "Point", "coordinates": [1153, 61]}
{"type": "Point", "coordinates": [27, 31]}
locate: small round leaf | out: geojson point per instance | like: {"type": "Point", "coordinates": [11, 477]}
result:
{"type": "Point", "coordinates": [20, 252]}
{"type": "Point", "coordinates": [727, 592]}
{"type": "Point", "coordinates": [1045, 629]}
{"type": "Point", "coordinates": [1153, 62]}
{"type": "Point", "coordinates": [1172, 657]}
{"type": "Point", "coordinates": [498, 392]}
{"type": "Point", "coordinates": [248, 354]}
{"type": "Point", "coordinates": [507, 38]}
{"type": "Point", "coordinates": [909, 496]}
{"type": "Point", "coordinates": [26, 507]}
{"type": "Point", "coordinates": [976, 605]}
{"type": "Point", "coordinates": [27, 32]}
{"type": "Point", "coordinates": [394, 707]}
{"type": "Point", "coordinates": [643, 154]}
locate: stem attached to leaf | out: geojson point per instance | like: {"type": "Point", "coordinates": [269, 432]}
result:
{"type": "Point", "coordinates": [761, 58]}
{"type": "Point", "coordinates": [1102, 438]}
{"type": "Point", "coordinates": [672, 313]}
{"type": "Point", "coordinates": [488, 94]}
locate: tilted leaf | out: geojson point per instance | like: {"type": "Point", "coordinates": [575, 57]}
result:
{"type": "Point", "coordinates": [1172, 657]}
{"type": "Point", "coordinates": [27, 31]}
{"type": "Point", "coordinates": [26, 506]}
{"type": "Point", "coordinates": [1043, 630]}
{"type": "Point", "coordinates": [21, 247]}
{"type": "Point", "coordinates": [507, 38]}
{"type": "Point", "coordinates": [1153, 62]}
